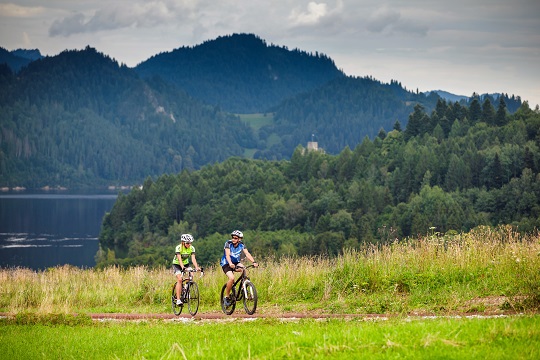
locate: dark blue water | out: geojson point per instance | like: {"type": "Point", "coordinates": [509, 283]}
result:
{"type": "Point", "coordinates": [42, 230]}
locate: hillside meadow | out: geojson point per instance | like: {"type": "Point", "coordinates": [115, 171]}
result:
{"type": "Point", "coordinates": [486, 270]}
{"type": "Point", "coordinates": [473, 296]}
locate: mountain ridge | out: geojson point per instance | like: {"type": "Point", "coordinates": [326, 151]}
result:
{"type": "Point", "coordinates": [241, 73]}
{"type": "Point", "coordinates": [80, 118]}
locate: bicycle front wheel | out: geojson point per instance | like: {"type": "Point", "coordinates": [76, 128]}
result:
{"type": "Point", "coordinates": [192, 298]}
{"type": "Point", "coordinates": [228, 309]}
{"type": "Point", "coordinates": [250, 297]}
{"type": "Point", "coordinates": [177, 309]}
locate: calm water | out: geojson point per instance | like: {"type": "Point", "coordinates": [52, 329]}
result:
{"type": "Point", "coordinates": [42, 230]}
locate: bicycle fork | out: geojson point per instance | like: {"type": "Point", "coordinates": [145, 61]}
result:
{"type": "Point", "coordinates": [245, 290]}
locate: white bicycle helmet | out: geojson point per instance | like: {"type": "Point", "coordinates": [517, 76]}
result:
{"type": "Point", "coordinates": [237, 233]}
{"type": "Point", "coordinates": [187, 238]}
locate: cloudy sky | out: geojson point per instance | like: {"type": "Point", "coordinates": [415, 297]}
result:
{"type": "Point", "coordinates": [460, 46]}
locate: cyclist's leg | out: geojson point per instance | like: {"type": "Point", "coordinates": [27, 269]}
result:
{"type": "Point", "coordinates": [228, 271]}
{"type": "Point", "coordinates": [230, 282]}
{"type": "Point", "coordinates": [178, 274]}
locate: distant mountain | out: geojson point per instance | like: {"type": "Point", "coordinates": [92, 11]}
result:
{"type": "Point", "coordinates": [512, 102]}
{"type": "Point", "coordinates": [241, 73]}
{"type": "Point", "coordinates": [15, 60]}
{"type": "Point", "coordinates": [447, 96]}
{"type": "Point", "coordinates": [341, 113]}
{"type": "Point", "coordinates": [79, 118]}
{"type": "Point", "coordinates": [33, 54]}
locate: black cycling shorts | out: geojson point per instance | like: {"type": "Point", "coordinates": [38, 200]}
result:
{"type": "Point", "coordinates": [226, 268]}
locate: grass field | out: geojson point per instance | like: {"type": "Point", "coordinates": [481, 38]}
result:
{"type": "Point", "coordinates": [256, 121]}
{"type": "Point", "coordinates": [516, 337]}
{"type": "Point", "coordinates": [483, 271]}
{"type": "Point", "coordinates": [494, 273]}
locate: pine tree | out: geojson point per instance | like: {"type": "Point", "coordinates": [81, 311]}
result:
{"type": "Point", "coordinates": [475, 111]}
{"type": "Point", "coordinates": [500, 116]}
{"type": "Point", "coordinates": [488, 113]}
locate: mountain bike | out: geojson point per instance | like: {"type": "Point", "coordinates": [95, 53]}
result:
{"type": "Point", "coordinates": [242, 290]}
{"type": "Point", "coordinates": [189, 293]}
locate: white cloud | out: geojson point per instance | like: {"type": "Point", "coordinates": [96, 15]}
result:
{"type": "Point", "coordinates": [312, 16]}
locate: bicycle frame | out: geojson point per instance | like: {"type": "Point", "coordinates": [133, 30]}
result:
{"type": "Point", "coordinates": [189, 278]}
{"type": "Point", "coordinates": [241, 282]}
{"type": "Point", "coordinates": [189, 293]}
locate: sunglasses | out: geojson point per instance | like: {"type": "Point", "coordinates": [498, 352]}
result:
{"type": "Point", "coordinates": [235, 237]}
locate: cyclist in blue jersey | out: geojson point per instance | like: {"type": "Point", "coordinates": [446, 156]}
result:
{"type": "Point", "coordinates": [230, 261]}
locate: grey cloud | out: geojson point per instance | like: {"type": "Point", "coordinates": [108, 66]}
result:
{"type": "Point", "coordinates": [73, 24]}
{"type": "Point", "coordinates": [382, 19]}
{"type": "Point", "coordinates": [142, 15]}
{"type": "Point", "coordinates": [391, 21]}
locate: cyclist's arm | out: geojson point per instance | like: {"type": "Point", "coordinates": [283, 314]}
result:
{"type": "Point", "coordinates": [228, 257]}
{"type": "Point", "coordinates": [180, 261]}
{"type": "Point", "coordinates": [194, 261]}
{"type": "Point", "coordinates": [250, 258]}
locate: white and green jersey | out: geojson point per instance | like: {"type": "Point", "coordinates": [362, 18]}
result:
{"type": "Point", "coordinates": [184, 253]}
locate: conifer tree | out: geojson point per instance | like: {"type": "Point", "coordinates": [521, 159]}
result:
{"type": "Point", "coordinates": [488, 113]}
{"type": "Point", "coordinates": [500, 116]}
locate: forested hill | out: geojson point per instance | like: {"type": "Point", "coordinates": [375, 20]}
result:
{"type": "Point", "coordinates": [241, 73]}
{"type": "Point", "coordinates": [19, 58]}
{"type": "Point", "coordinates": [79, 119]}
{"type": "Point", "coordinates": [436, 176]}
{"type": "Point", "coordinates": [341, 113]}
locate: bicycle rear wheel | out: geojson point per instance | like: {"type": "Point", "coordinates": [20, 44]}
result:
{"type": "Point", "coordinates": [192, 298]}
{"type": "Point", "coordinates": [228, 310]}
{"type": "Point", "coordinates": [177, 309]}
{"type": "Point", "coordinates": [250, 298]}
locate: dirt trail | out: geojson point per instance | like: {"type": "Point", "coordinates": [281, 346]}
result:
{"type": "Point", "coordinates": [291, 316]}
{"type": "Point", "coordinates": [217, 316]}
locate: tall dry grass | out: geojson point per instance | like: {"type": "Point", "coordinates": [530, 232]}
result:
{"type": "Point", "coordinates": [484, 270]}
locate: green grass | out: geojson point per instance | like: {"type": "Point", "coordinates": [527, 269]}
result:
{"type": "Point", "coordinates": [516, 337]}
{"type": "Point", "coordinates": [249, 153]}
{"type": "Point", "coordinates": [256, 121]}
{"type": "Point", "coordinates": [489, 272]}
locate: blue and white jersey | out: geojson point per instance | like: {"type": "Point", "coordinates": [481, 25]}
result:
{"type": "Point", "coordinates": [235, 252]}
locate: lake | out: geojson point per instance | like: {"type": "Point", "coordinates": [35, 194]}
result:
{"type": "Point", "coordinates": [42, 230]}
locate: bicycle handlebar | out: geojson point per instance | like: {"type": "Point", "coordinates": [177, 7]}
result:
{"type": "Point", "coordinates": [190, 269]}
{"type": "Point", "coordinates": [245, 267]}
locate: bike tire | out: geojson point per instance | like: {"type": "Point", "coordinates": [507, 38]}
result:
{"type": "Point", "coordinates": [228, 310]}
{"type": "Point", "coordinates": [192, 298]}
{"type": "Point", "coordinates": [177, 309]}
{"type": "Point", "coordinates": [250, 298]}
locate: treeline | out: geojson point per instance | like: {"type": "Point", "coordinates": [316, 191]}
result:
{"type": "Point", "coordinates": [339, 111]}
{"type": "Point", "coordinates": [480, 169]}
